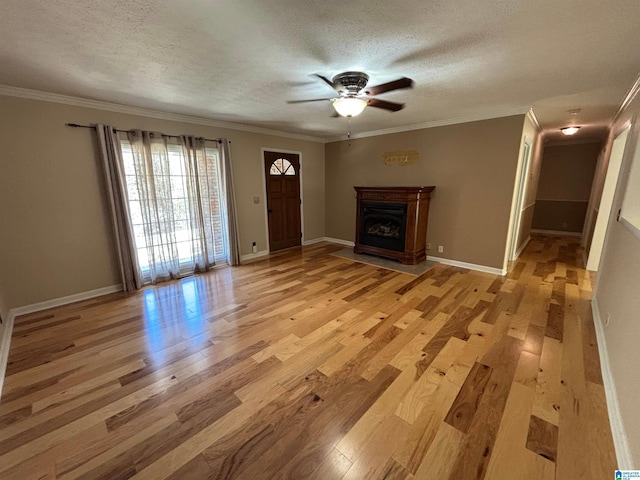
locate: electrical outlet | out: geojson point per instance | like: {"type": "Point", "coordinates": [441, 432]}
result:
{"type": "Point", "coordinates": [428, 246]}
{"type": "Point", "coordinates": [440, 249]}
{"type": "Point", "coordinates": [254, 247]}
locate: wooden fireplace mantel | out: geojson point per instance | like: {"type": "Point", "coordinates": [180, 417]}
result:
{"type": "Point", "coordinates": [412, 200]}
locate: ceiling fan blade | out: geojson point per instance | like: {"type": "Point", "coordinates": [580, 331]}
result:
{"type": "Point", "coordinates": [328, 82]}
{"type": "Point", "coordinates": [392, 106]}
{"type": "Point", "coordinates": [310, 100]}
{"type": "Point", "coordinates": [403, 82]}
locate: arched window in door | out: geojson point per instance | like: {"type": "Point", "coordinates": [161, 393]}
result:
{"type": "Point", "coordinates": [282, 166]}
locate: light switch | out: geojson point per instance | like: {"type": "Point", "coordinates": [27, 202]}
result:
{"type": "Point", "coordinates": [256, 200]}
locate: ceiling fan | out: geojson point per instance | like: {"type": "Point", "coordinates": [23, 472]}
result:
{"type": "Point", "coordinates": [354, 95]}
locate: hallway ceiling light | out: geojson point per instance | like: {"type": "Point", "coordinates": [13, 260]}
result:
{"type": "Point", "coordinates": [569, 130]}
{"type": "Point", "coordinates": [349, 106]}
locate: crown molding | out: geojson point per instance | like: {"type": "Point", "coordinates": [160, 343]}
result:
{"type": "Point", "coordinates": [9, 91]}
{"type": "Point", "coordinates": [19, 92]}
{"type": "Point", "coordinates": [507, 112]}
{"type": "Point", "coordinates": [534, 119]}
{"type": "Point", "coordinates": [628, 98]}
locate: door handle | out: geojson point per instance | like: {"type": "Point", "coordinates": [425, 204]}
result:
{"type": "Point", "coordinates": [269, 210]}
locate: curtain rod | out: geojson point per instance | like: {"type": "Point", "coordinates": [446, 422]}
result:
{"type": "Point", "coordinates": [77, 125]}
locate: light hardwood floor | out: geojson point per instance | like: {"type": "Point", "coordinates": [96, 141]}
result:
{"type": "Point", "coordinates": [311, 366]}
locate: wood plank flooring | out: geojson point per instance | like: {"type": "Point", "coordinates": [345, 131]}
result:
{"type": "Point", "coordinates": [311, 366]}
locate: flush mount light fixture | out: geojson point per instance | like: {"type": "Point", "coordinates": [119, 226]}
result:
{"type": "Point", "coordinates": [569, 130]}
{"type": "Point", "coordinates": [349, 106]}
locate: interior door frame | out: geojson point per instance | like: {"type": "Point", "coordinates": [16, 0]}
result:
{"type": "Point", "coordinates": [511, 238]}
{"type": "Point", "coordinates": [523, 183]}
{"type": "Point", "coordinates": [264, 192]}
{"type": "Point", "coordinates": [607, 200]}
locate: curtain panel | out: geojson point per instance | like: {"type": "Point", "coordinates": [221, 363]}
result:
{"type": "Point", "coordinates": [110, 152]}
{"type": "Point", "coordinates": [233, 255]}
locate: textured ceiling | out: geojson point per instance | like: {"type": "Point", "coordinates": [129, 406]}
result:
{"type": "Point", "coordinates": [240, 61]}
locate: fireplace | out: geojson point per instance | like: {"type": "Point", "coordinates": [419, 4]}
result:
{"type": "Point", "coordinates": [383, 225]}
{"type": "Point", "coordinates": [392, 222]}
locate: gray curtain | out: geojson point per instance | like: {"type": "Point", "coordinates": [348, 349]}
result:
{"type": "Point", "coordinates": [111, 160]}
{"type": "Point", "coordinates": [233, 253]}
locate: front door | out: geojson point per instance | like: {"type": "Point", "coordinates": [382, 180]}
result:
{"type": "Point", "coordinates": [282, 173]}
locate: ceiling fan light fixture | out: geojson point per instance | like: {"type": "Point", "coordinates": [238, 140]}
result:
{"type": "Point", "coordinates": [349, 106]}
{"type": "Point", "coordinates": [570, 130]}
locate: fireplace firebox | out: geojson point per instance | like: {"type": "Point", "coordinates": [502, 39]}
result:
{"type": "Point", "coordinates": [392, 222]}
{"type": "Point", "coordinates": [383, 225]}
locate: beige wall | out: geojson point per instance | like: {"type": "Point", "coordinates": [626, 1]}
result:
{"type": "Point", "coordinates": [525, 226]}
{"type": "Point", "coordinates": [55, 233]}
{"type": "Point", "coordinates": [617, 295]}
{"type": "Point", "coordinates": [472, 166]}
{"type": "Point", "coordinates": [567, 171]}
{"type": "Point", "coordinates": [566, 178]}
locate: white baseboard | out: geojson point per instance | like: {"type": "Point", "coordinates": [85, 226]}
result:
{"type": "Point", "coordinates": [264, 253]}
{"type": "Point", "coordinates": [521, 249]}
{"type": "Point", "coordinates": [57, 302]}
{"type": "Point", "coordinates": [314, 241]}
{"type": "Point", "coordinates": [470, 266]}
{"type": "Point", "coordinates": [339, 241]}
{"type": "Point", "coordinates": [252, 256]}
{"type": "Point", "coordinates": [620, 440]}
{"type": "Point", "coordinates": [5, 341]}
{"type": "Point", "coordinates": [5, 344]}
{"type": "Point", "coordinates": [557, 232]}
{"type": "Point", "coordinates": [455, 263]}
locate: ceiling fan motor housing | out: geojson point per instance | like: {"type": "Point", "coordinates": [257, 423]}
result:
{"type": "Point", "coordinates": [351, 83]}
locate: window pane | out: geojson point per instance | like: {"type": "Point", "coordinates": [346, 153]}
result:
{"type": "Point", "coordinates": [274, 170]}
{"type": "Point", "coordinates": [138, 236]}
{"type": "Point", "coordinates": [282, 166]}
{"type": "Point", "coordinates": [177, 186]}
{"type": "Point", "coordinates": [143, 259]}
{"type": "Point", "coordinates": [176, 166]}
{"type": "Point", "coordinates": [180, 210]}
{"type": "Point", "coordinates": [132, 187]}
{"type": "Point", "coordinates": [182, 231]}
{"type": "Point", "coordinates": [136, 212]}
{"type": "Point", "coordinates": [127, 159]}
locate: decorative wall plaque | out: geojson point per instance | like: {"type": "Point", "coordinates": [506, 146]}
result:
{"type": "Point", "coordinates": [400, 158]}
